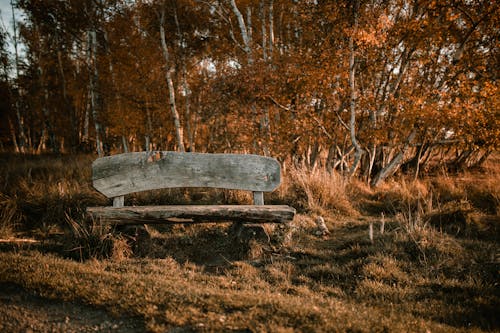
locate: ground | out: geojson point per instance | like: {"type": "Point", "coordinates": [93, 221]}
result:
{"type": "Point", "coordinates": [343, 280]}
{"type": "Point", "coordinates": [24, 311]}
{"type": "Point", "coordinates": [409, 256]}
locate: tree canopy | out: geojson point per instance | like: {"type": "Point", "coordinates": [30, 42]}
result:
{"type": "Point", "coordinates": [364, 87]}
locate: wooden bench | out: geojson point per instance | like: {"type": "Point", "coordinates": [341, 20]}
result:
{"type": "Point", "coordinates": [119, 175]}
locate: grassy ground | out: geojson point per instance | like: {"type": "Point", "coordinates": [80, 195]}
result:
{"type": "Point", "coordinates": [419, 256]}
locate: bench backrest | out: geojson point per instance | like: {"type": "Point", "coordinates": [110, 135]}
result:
{"type": "Point", "coordinates": [118, 175]}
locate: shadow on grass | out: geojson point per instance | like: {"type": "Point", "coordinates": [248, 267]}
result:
{"type": "Point", "coordinates": [436, 283]}
{"type": "Point", "coordinates": [445, 280]}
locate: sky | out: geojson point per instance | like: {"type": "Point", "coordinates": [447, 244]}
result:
{"type": "Point", "coordinates": [6, 22]}
{"type": "Point", "coordinates": [6, 13]}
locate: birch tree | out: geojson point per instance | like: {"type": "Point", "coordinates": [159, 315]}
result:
{"type": "Point", "coordinates": [5, 91]}
{"type": "Point", "coordinates": [353, 93]}
{"type": "Point", "coordinates": [244, 30]}
{"type": "Point", "coordinates": [169, 69]}
{"type": "Point", "coordinates": [92, 13]}
{"type": "Point", "coordinates": [22, 142]}
{"type": "Point", "coordinates": [364, 87]}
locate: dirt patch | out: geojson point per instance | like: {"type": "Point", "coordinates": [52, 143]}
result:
{"type": "Point", "coordinates": [22, 311]}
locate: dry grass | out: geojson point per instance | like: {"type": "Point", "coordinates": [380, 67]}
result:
{"type": "Point", "coordinates": [316, 191]}
{"type": "Point", "coordinates": [9, 216]}
{"type": "Point", "coordinates": [170, 295]}
{"type": "Point", "coordinates": [40, 191]}
{"type": "Point", "coordinates": [433, 266]}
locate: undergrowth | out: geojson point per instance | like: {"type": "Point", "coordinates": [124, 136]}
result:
{"type": "Point", "coordinates": [410, 255]}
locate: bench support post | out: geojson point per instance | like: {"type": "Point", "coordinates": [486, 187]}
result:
{"type": "Point", "coordinates": [119, 201]}
{"type": "Point", "coordinates": [258, 198]}
{"type": "Point", "coordinates": [138, 234]}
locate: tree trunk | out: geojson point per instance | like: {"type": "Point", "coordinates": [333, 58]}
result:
{"type": "Point", "coordinates": [271, 28]}
{"type": "Point", "coordinates": [372, 155]}
{"type": "Point", "coordinates": [266, 128]}
{"type": "Point", "coordinates": [116, 94]}
{"type": "Point", "coordinates": [86, 123]}
{"type": "Point", "coordinates": [14, 138]}
{"type": "Point", "coordinates": [243, 30]}
{"type": "Point", "coordinates": [124, 144]}
{"type": "Point", "coordinates": [150, 126]}
{"type": "Point", "coordinates": [249, 24]}
{"type": "Point", "coordinates": [170, 84]}
{"type": "Point", "coordinates": [185, 86]}
{"type": "Point", "coordinates": [22, 133]}
{"type": "Point", "coordinates": [187, 102]}
{"type": "Point", "coordinates": [352, 84]}
{"type": "Point", "coordinates": [93, 79]}
{"type": "Point", "coordinates": [46, 113]}
{"type": "Point", "coordinates": [262, 15]}
{"type": "Point", "coordinates": [394, 164]}
{"type": "Point", "coordinates": [67, 105]}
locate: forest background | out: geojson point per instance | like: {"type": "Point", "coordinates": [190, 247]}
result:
{"type": "Point", "coordinates": [343, 93]}
{"type": "Point", "coordinates": [363, 87]}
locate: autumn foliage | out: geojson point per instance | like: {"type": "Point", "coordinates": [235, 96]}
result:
{"type": "Point", "coordinates": [363, 87]}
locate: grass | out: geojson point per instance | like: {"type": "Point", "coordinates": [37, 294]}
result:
{"type": "Point", "coordinates": [316, 191]}
{"type": "Point", "coordinates": [433, 266]}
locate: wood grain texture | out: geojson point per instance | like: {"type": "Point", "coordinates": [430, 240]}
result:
{"type": "Point", "coordinates": [258, 198]}
{"type": "Point", "coordinates": [134, 172]}
{"type": "Point", "coordinates": [119, 201]}
{"type": "Point", "coordinates": [193, 213]}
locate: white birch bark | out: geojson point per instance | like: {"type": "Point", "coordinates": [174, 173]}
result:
{"type": "Point", "coordinates": [262, 14]}
{"type": "Point", "coordinates": [185, 86]}
{"type": "Point", "coordinates": [116, 93]}
{"type": "Point", "coordinates": [150, 126]}
{"type": "Point", "coordinates": [22, 134]}
{"type": "Point", "coordinates": [249, 23]}
{"type": "Point", "coordinates": [395, 163]}
{"type": "Point", "coordinates": [170, 84]}
{"type": "Point", "coordinates": [187, 102]}
{"type": "Point", "coordinates": [352, 84]}
{"type": "Point", "coordinates": [271, 28]}
{"type": "Point", "coordinates": [93, 78]}
{"type": "Point", "coordinates": [243, 30]}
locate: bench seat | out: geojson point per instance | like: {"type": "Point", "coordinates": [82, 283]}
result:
{"type": "Point", "coordinates": [192, 213]}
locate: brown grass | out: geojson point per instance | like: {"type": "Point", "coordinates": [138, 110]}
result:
{"type": "Point", "coordinates": [316, 191]}
{"type": "Point", "coordinates": [433, 267]}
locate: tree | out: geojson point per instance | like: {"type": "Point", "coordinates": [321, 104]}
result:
{"type": "Point", "coordinates": [5, 91]}
{"type": "Point", "coordinates": [179, 131]}
{"type": "Point", "coordinates": [368, 88]}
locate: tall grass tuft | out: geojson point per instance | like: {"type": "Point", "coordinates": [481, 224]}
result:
{"type": "Point", "coordinates": [316, 191]}
{"type": "Point", "coordinates": [37, 192]}
{"type": "Point", "coordinates": [446, 189]}
{"type": "Point", "coordinates": [485, 194]}
{"type": "Point", "coordinates": [10, 216]}
{"type": "Point", "coordinates": [91, 240]}
{"type": "Point", "coordinates": [392, 197]}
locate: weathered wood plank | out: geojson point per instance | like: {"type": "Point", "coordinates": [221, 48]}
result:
{"type": "Point", "coordinates": [134, 172]}
{"type": "Point", "coordinates": [119, 201]}
{"type": "Point", "coordinates": [193, 213]}
{"type": "Point", "coordinates": [258, 198]}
